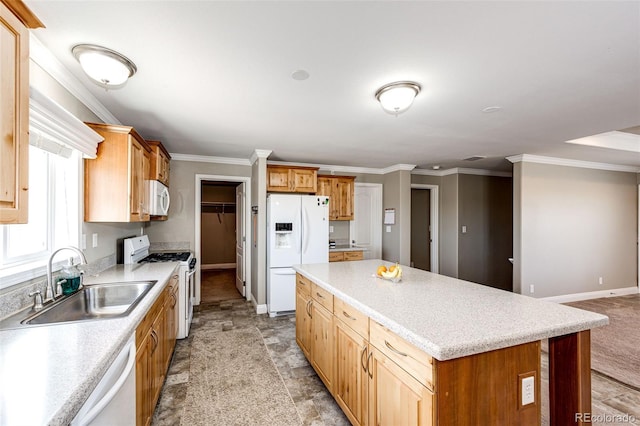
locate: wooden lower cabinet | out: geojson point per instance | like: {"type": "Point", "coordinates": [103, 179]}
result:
{"type": "Point", "coordinates": [396, 397]}
{"type": "Point", "coordinates": [322, 343]}
{"type": "Point", "coordinates": [379, 379]}
{"type": "Point", "coordinates": [341, 256]}
{"type": "Point", "coordinates": [155, 341]}
{"type": "Point", "coordinates": [351, 380]}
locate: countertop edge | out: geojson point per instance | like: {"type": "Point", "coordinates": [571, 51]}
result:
{"type": "Point", "coordinates": [447, 353]}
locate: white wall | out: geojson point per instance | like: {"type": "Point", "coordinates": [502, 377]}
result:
{"type": "Point", "coordinates": [572, 226]}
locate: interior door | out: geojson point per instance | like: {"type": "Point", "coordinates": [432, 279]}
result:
{"type": "Point", "coordinates": [240, 239]}
{"type": "Point", "coordinates": [421, 229]}
{"type": "Point", "coordinates": [366, 226]}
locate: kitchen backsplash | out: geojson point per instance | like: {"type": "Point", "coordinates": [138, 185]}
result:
{"type": "Point", "coordinates": [340, 230]}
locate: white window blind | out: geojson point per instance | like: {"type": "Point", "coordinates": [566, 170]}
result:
{"type": "Point", "coordinates": [54, 129]}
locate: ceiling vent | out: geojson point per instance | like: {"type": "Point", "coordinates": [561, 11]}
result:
{"type": "Point", "coordinates": [475, 158]}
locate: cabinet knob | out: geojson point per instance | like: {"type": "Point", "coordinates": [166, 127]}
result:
{"type": "Point", "coordinates": [25, 189]}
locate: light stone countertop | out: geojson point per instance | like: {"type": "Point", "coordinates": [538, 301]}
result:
{"type": "Point", "coordinates": [347, 247]}
{"type": "Point", "coordinates": [446, 317]}
{"type": "Point", "coordinates": [47, 372]}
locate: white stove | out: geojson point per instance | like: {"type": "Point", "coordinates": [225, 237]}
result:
{"type": "Point", "coordinates": [136, 250]}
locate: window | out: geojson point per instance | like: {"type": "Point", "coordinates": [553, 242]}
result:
{"type": "Point", "coordinates": [53, 216]}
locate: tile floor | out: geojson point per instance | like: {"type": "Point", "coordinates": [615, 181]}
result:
{"type": "Point", "coordinates": [313, 401]}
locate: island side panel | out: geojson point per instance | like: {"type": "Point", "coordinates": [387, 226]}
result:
{"type": "Point", "coordinates": [484, 388]}
{"type": "Point", "coordinates": [570, 378]}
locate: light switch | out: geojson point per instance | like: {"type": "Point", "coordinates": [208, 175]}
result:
{"type": "Point", "coordinates": [464, 229]}
{"type": "Point", "coordinates": [388, 229]}
{"type": "Point", "coordinates": [330, 229]}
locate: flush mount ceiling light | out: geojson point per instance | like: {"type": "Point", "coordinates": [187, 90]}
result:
{"type": "Point", "coordinates": [107, 67]}
{"type": "Point", "coordinates": [396, 98]}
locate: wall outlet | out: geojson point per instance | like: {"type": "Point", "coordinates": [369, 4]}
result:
{"type": "Point", "coordinates": [94, 238]}
{"type": "Point", "coordinates": [600, 281]}
{"type": "Point", "coordinates": [388, 229]}
{"type": "Point", "coordinates": [528, 390]}
{"type": "Point", "coordinates": [464, 229]}
{"type": "Point", "coordinates": [331, 229]}
{"type": "Point", "coordinates": [531, 289]}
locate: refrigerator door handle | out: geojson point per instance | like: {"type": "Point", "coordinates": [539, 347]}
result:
{"type": "Point", "coordinates": [287, 272]}
{"type": "Point", "coordinates": [305, 230]}
{"type": "Point", "coordinates": [298, 230]}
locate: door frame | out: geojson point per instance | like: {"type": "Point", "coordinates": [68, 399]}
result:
{"type": "Point", "coordinates": [198, 226]}
{"type": "Point", "coordinates": [435, 223]}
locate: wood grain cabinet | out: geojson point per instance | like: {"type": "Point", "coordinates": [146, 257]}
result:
{"type": "Point", "coordinates": [292, 179]}
{"type": "Point", "coordinates": [340, 190]}
{"type": "Point", "coordinates": [160, 162]}
{"type": "Point", "coordinates": [342, 256]}
{"type": "Point", "coordinates": [155, 342]}
{"type": "Point", "coordinates": [314, 327]}
{"type": "Point", "coordinates": [15, 21]}
{"type": "Point", "coordinates": [116, 182]}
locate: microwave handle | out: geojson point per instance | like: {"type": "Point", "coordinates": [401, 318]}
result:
{"type": "Point", "coordinates": [165, 200]}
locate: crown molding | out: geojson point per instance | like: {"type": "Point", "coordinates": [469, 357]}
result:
{"type": "Point", "coordinates": [52, 66]}
{"type": "Point", "coordinates": [210, 159]}
{"type": "Point", "coordinates": [528, 158]}
{"type": "Point", "coordinates": [260, 153]}
{"type": "Point", "coordinates": [461, 171]}
{"type": "Point", "coordinates": [332, 169]}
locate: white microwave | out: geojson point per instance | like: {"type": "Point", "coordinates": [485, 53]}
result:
{"type": "Point", "coordinates": [159, 197]}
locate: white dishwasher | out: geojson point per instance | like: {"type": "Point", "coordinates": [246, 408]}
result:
{"type": "Point", "coordinates": [113, 401]}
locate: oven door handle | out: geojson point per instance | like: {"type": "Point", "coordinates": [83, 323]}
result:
{"type": "Point", "coordinates": [189, 274]}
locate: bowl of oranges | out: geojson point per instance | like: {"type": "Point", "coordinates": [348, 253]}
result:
{"type": "Point", "coordinates": [392, 273]}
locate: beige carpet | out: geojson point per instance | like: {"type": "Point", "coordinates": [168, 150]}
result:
{"type": "Point", "coordinates": [615, 349]}
{"type": "Point", "coordinates": [233, 381]}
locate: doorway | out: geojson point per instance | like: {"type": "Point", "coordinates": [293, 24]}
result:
{"type": "Point", "coordinates": [220, 228]}
{"type": "Point", "coordinates": [218, 241]}
{"type": "Point", "coordinates": [424, 227]}
{"type": "Point", "coordinates": [365, 229]}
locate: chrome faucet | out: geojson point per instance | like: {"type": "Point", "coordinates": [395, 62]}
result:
{"type": "Point", "coordinates": [50, 287]}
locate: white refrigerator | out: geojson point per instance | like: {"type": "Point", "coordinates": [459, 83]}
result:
{"type": "Point", "coordinates": [297, 233]}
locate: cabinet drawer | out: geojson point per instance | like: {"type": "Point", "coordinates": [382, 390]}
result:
{"type": "Point", "coordinates": [408, 357]}
{"type": "Point", "coordinates": [303, 285]}
{"type": "Point", "coordinates": [353, 255]}
{"type": "Point", "coordinates": [322, 296]}
{"type": "Point", "coordinates": [355, 319]}
{"type": "Point", "coordinates": [336, 256]}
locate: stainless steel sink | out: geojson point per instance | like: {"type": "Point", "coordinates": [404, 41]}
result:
{"type": "Point", "coordinates": [92, 302]}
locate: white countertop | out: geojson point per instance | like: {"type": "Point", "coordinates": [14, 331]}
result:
{"type": "Point", "coordinates": [446, 317]}
{"type": "Point", "coordinates": [47, 372]}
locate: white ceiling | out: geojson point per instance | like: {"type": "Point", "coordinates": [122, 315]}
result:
{"type": "Point", "coordinates": [214, 78]}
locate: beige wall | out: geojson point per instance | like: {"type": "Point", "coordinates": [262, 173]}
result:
{"type": "Point", "coordinates": [218, 225]}
{"type": "Point", "coordinates": [180, 227]}
{"type": "Point", "coordinates": [396, 193]}
{"type": "Point", "coordinates": [575, 225]}
{"type": "Point", "coordinates": [449, 226]}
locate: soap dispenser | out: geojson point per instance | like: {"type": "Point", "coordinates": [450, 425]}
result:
{"type": "Point", "coordinates": [69, 278]}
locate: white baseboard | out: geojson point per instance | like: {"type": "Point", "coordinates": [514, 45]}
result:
{"type": "Point", "coordinates": [260, 309]}
{"type": "Point", "coordinates": [217, 266]}
{"type": "Point", "coordinates": [576, 297]}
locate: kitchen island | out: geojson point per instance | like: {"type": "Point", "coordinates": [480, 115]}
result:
{"type": "Point", "coordinates": [452, 351]}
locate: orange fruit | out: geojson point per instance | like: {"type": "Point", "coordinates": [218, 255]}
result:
{"type": "Point", "coordinates": [381, 269]}
{"type": "Point", "coordinates": [392, 268]}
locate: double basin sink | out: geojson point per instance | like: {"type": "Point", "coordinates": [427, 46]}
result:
{"type": "Point", "coordinates": [91, 302]}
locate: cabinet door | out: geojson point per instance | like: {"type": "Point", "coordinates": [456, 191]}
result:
{"type": "Point", "coordinates": [322, 350]}
{"type": "Point", "coordinates": [395, 397]}
{"type": "Point", "coordinates": [344, 194]}
{"type": "Point", "coordinates": [350, 384]}
{"type": "Point", "coordinates": [14, 118]}
{"type": "Point", "coordinates": [144, 382]}
{"type": "Point", "coordinates": [303, 322]}
{"type": "Point", "coordinates": [278, 179]}
{"type": "Point", "coordinates": [304, 180]}
{"type": "Point", "coordinates": [135, 180]}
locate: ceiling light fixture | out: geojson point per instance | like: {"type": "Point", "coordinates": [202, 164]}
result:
{"type": "Point", "coordinates": [396, 98]}
{"type": "Point", "coordinates": [107, 67]}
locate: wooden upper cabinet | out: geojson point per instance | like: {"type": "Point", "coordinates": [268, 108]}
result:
{"type": "Point", "coordinates": [116, 182]}
{"type": "Point", "coordinates": [160, 162]}
{"type": "Point", "coordinates": [292, 179]}
{"type": "Point", "coordinates": [15, 21]}
{"type": "Point", "coordinates": [339, 189]}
